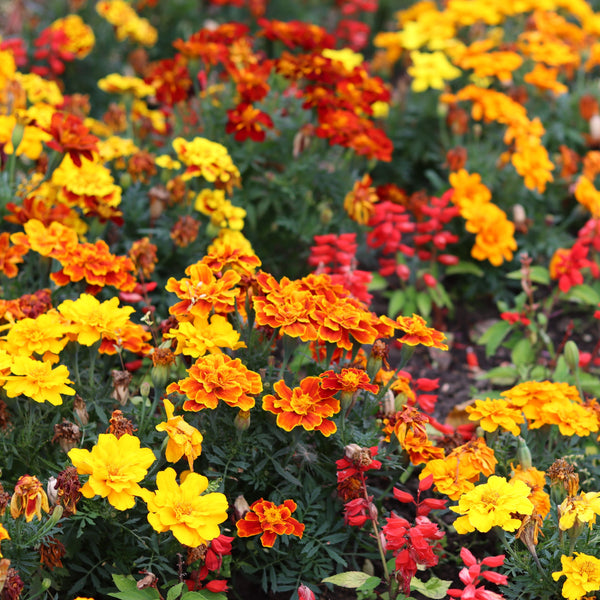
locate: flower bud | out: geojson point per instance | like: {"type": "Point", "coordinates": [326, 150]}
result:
{"type": "Point", "coordinates": [145, 388]}
{"type": "Point", "coordinates": [572, 355]}
{"type": "Point", "coordinates": [242, 420]}
{"type": "Point", "coordinates": [80, 410]}
{"type": "Point", "coordinates": [523, 454]}
{"type": "Point", "coordinates": [240, 507]}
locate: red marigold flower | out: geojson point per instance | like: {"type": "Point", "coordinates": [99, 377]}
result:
{"type": "Point", "coordinates": [247, 121]}
{"type": "Point", "coordinates": [270, 520]}
{"type": "Point", "coordinates": [308, 406]}
{"type": "Point", "coordinates": [69, 134]}
{"type": "Point", "coordinates": [170, 78]}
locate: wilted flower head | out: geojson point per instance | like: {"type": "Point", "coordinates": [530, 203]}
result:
{"type": "Point", "coordinates": [29, 498]}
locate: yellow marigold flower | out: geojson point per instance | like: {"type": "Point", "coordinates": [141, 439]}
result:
{"type": "Point", "coordinates": [196, 338]}
{"type": "Point", "coordinates": [360, 202]}
{"type": "Point", "coordinates": [191, 515]}
{"type": "Point", "coordinates": [183, 438]}
{"type": "Point", "coordinates": [577, 510]}
{"type": "Point", "coordinates": [346, 56]}
{"type": "Point", "coordinates": [447, 477]}
{"type": "Point", "coordinates": [218, 377]}
{"type": "Point", "coordinates": [493, 504]}
{"type": "Point", "coordinates": [157, 119]}
{"type": "Point", "coordinates": [222, 213]}
{"type": "Point", "coordinates": [582, 574]}
{"type": "Point", "coordinates": [492, 414]}
{"type": "Point", "coordinates": [536, 481]}
{"type": "Point", "coordinates": [571, 418]}
{"type": "Point", "coordinates": [80, 37]}
{"type": "Point", "coordinates": [115, 147]}
{"type": "Point", "coordinates": [47, 333]}
{"type": "Point", "coordinates": [127, 23]}
{"type": "Point", "coordinates": [530, 160]}
{"type": "Point", "coordinates": [39, 89]}
{"type": "Point", "coordinates": [38, 380]}
{"type": "Point", "coordinates": [164, 161]}
{"type": "Point", "coordinates": [115, 466]}
{"type": "Point", "coordinates": [431, 70]}
{"type": "Point", "coordinates": [3, 535]}
{"type": "Point", "coordinates": [29, 499]}
{"type": "Point", "coordinates": [587, 195]}
{"type": "Point", "coordinates": [207, 159]}
{"type": "Point", "coordinates": [31, 141]}
{"type": "Point", "coordinates": [228, 238]}
{"type": "Point", "coordinates": [115, 83]}
{"type": "Point", "coordinates": [92, 320]}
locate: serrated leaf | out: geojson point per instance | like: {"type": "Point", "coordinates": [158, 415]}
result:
{"type": "Point", "coordinates": [432, 588]}
{"type": "Point", "coordinates": [493, 336]}
{"type": "Point", "coordinates": [464, 268]}
{"type": "Point", "coordinates": [349, 579]}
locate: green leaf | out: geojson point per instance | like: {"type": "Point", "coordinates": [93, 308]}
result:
{"type": "Point", "coordinates": [124, 583]}
{"type": "Point", "coordinates": [537, 274]}
{"type": "Point", "coordinates": [424, 304]}
{"type": "Point", "coordinates": [204, 595]}
{"type": "Point", "coordinates": [349, 579]}
{"type": "Point", "coordinates": [175, 591]}
{"type": "Point", "coordinates": [583, 294]}
{"type": "Point", "coordinates": [522, 354]}
{"type": "Point", "coordinates": [377, 283]}
{"type": "Point", "coordinates": [464, 268]}
{"type": "Point", "coordinates": [501, 375]}
{"type": "Point", "coordinates": [493, 336]}
{"type": "Point", "coordinates": [370, 584]}
{"type": "Point", "coordinates": [145, 594]}
{"type": "Point", "coordinates": [397, 300]}
{"type": "Point", "coordinates": [432, 588]}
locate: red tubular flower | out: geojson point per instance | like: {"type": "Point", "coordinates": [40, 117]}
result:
{"type": "Point", "coordinates": [471, 577]}
{"type": "Point", "coordinates": [566, 266]}
{"type": "Point", "coordinates": [358, 511]}
{"type": "Point", "coordinates": [270, 520]}
{"type": "Point", "coordinates": [361, 461]}
{"type": "Point", "coordinates": [69, 134]}
{"type": "Point", "coordinates": [305, 593]}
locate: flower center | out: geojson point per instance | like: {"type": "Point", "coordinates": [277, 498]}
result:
{"type": "Point", "coordinates": [301, 403]}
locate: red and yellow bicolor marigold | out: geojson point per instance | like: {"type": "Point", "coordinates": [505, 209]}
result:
{"type": "Point", "coordinates": [308, 406]}
{"type": "Point", "coordinates": [270, 520]}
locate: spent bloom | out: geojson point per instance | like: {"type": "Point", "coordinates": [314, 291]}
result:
{"type": "Point", "coordinates": [29, 498]}
{"type": "Point", "coordinates": [270, 520]}
{"type": "Point", "coordinates": [115, 466]}
{"type": "Point", "coordinates": [492, 504]}
{"type": "Point", "coordinates": [191, 515]}
{"type": "Point", "coordinates": [184, 439]}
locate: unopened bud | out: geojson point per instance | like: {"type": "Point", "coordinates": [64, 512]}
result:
{"type": "Point", "coordinates": [51, 491]}
{"type": "Point", "coordinates": [572, 355]}
{"type": "Point", "coordinates": [595, 128]}
{"type": "Point", "coordinates": [80, 410]}
{"type": "Point", "coordinates": [368, 567]}
{"type": "Point", "coordinates": [523, 454]}
{"type": "Point", "coordinates": [242, 420]}
{"type": "Point", "coordinates": [240, 507]}
{"type": "Point", "coordinates": [145, 388]}
{"type": "Point", "coordinates": [56, 515]}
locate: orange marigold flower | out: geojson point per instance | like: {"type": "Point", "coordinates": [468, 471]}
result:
{"type": "Point", "coordinates": [416, 332]}
{"type": "Point", "coordinates": [202, 292]}
{"type": "Point", "coordinates": [270, 520]}
{"type": "Point", "coordinates": [448, 477]}
{"type": "Point", "coordinates": [29, 499]}
{"type": "Point", "coordinates": [476, 458]}
{"type": "Point", "coordinates": [218, 377]}
{"type": "Point", "coordinates": [143, 255]}
{"type": "Point", "coordinates": [54, 240]}
{"type": "Point", "coordinates": [11, 256]}
{"type": "Point", "coordinates": [420, 449]}
{"type": "Point", "coordinates": [69, 134]}
{"type": "Point", "coordinates": [227, 257]}
{"type": "Point", "coordinates": [536, 481]}
{"type": "Point", "coordinates": [308, 406]}
{"type": "Point", "coordinates": [359, 203]}
{"type": "Point", "coordinates": [348, 381]}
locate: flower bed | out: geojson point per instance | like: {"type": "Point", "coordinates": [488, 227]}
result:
{"type": "Point", "coordinates": [238, 238]}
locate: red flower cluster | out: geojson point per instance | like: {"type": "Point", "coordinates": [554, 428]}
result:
{"type": "Point", "coordinates": [213, 559]}
{"type": "Point", "coordinates": [336, 255]}
{"type": "Point", "coordinates": [51, 44]}
{"type": "Point", "coordinates": [471, 576]}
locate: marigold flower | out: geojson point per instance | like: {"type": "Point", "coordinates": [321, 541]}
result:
{"type": "Point", "coordinates": [536, 481]}
{"type": "Point", "coordinates": [121, 84]}
{"type": "Point", "coordinates": [431, 70]}
{"type": "Point", "coordinates": [222, 213]}
{"type": "Point", "coordinates": [11, 256]}
{"type": "Point", "coordinates": [447, 477]}
{"type": "Point", "coordinates": [115, 466]}
{"type": "Point", "coordinates": [492, 414]}
{"type": "Point", "coordinates": [270, 520]}
{"type": "Point", "coordinates": [582, 573]}
{"type": "Point", "coordinates": [476, 458]}
{"type": "Point", "coordinates": [359, 203]}
{"type": "Point", "coordinates": [416, 332]}
{"type": "Point", "coordinates": [183, 438]}
{"type": "Point", "coordinates": [348, 381]}
{"type": "Point", "coordinates": [70, 135]}
{"type": "Point", "coordinates": [38, 380]}
{"type": "Point", "coordinates": [308, 406]}
{"type": "Point", "coordinates": [247, 121]}
{"type": "Point", "coordinates": [493, 504]}
{"type": "Point", "coordinates": [218, 377]}
{"type": "Point", "coordinates": [191, 515]}
{"type": "Point", "coordinates": [577, 510]}
{"type": "Point", "coordinates": [29, 498]}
